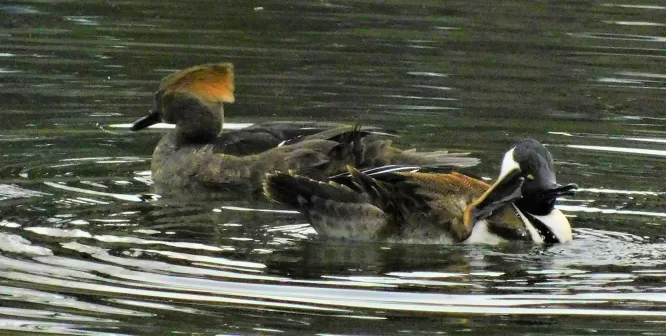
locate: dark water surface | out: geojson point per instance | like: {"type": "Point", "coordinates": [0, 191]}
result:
{"type": "Point", "coordinates": [86, 250]}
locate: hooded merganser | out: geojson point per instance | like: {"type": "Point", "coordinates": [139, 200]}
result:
{"type": "Point", "coordinates": [196, 154]}
{"type": "Point", "coordinates": [415, 206]}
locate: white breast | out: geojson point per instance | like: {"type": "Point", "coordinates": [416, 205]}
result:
{"type": "Point", "coordinates": [481, 235]}
{"type": "Point", "coordinates": [558, 224]}
{"type": "Point", "coordinates": [555, 221]}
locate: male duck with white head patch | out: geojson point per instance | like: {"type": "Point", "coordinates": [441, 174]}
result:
{"type": "Point", "coordinates": [420, 207]}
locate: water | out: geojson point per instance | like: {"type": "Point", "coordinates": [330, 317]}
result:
{"type": "Point", "coordinates": [86, 249]}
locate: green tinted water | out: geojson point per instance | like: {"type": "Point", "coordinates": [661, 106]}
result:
{"type": "Point", "coordinates": [86, 250]}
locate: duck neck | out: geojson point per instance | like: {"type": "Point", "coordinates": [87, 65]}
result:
{"type": "Point", "coordinates": [201, 123]}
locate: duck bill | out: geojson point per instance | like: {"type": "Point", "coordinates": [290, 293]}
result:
{"type": "Point", "coordinates": [505, 190]}
{"type": "Point", "coordinates": [558, 190]}
{"type": "Point", "coordinates": [151, 119]}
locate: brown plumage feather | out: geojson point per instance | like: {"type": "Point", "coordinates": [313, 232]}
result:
{"type": "Point", "coordinates": [420, 207]}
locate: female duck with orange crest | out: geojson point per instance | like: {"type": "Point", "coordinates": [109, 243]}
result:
{"type": "Point", "coordinates": [196, 154]}
{"type": "Point", "coordinates": [421, 207]}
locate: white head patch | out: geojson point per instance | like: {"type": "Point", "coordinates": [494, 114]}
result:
{"type": "Point", "coordinates": [508, 163]}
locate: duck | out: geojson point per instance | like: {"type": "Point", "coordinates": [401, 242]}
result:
{"type": "Point", "coordinates": [196, 154]}
{"type": "Point", "coordinates": [414, 205]}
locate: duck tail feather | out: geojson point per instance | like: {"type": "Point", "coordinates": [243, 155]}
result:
{"type": "Point", "coordinates": [298, 191]}
{"type": "Point", "coordinates": [334, 210]}
{"type": "Point", "coordinates": [440, 157]}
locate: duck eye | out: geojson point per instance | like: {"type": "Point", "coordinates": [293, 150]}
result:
{"type": "Point", "coordinates": [530, 177]}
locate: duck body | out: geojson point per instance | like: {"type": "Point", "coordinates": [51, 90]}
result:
{"type": "Point", "coordinates": [424, 207]}
{"type": "Point", "coordinates": [240, 160]}
{"type": "Point", "coordinates": [197, 154]}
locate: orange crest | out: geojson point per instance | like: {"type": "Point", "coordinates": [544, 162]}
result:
{"type": "Point", "coordinates": [213, 82]}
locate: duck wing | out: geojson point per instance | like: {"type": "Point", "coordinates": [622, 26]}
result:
{"type": "Point", "coordinates": [334, 210]}
{"type": "Point", "coordinates": [422, 205]}
{"type": "Point", "coordinates": [405, 206]}
{"type": "Point", "coordinates": [443, 198]}
{"type": "Point", "coordinates": [264, 136]}
{"type": "Point", "coordinates": [368, 146]}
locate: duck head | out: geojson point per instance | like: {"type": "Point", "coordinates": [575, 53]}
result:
{"type": "Point", "coordinates": [192, 100]}
{"type": "Point", "coordinates": [527, 179]}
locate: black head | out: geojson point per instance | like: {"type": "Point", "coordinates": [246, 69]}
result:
{"type": "Point", "coordinates": [527, 179]}
{"type": "Point", "coordinates": [539, 189]}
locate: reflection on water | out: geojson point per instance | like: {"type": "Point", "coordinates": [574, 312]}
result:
{"type": "Point", "coordinates": [622, 150]}
{"type": "Point", "coordinates": [87, 249]}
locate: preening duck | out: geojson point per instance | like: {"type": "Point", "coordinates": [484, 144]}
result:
{"type": "Point", "coordinates": [196, 154]}
{"type": "Point", "coordinates": [420, 207]}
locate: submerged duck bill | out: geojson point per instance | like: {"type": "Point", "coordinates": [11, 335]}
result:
{"type": "Point", "coordinates": [506, 190]}
{"type": "Point", "coordinates": [151, 119]}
